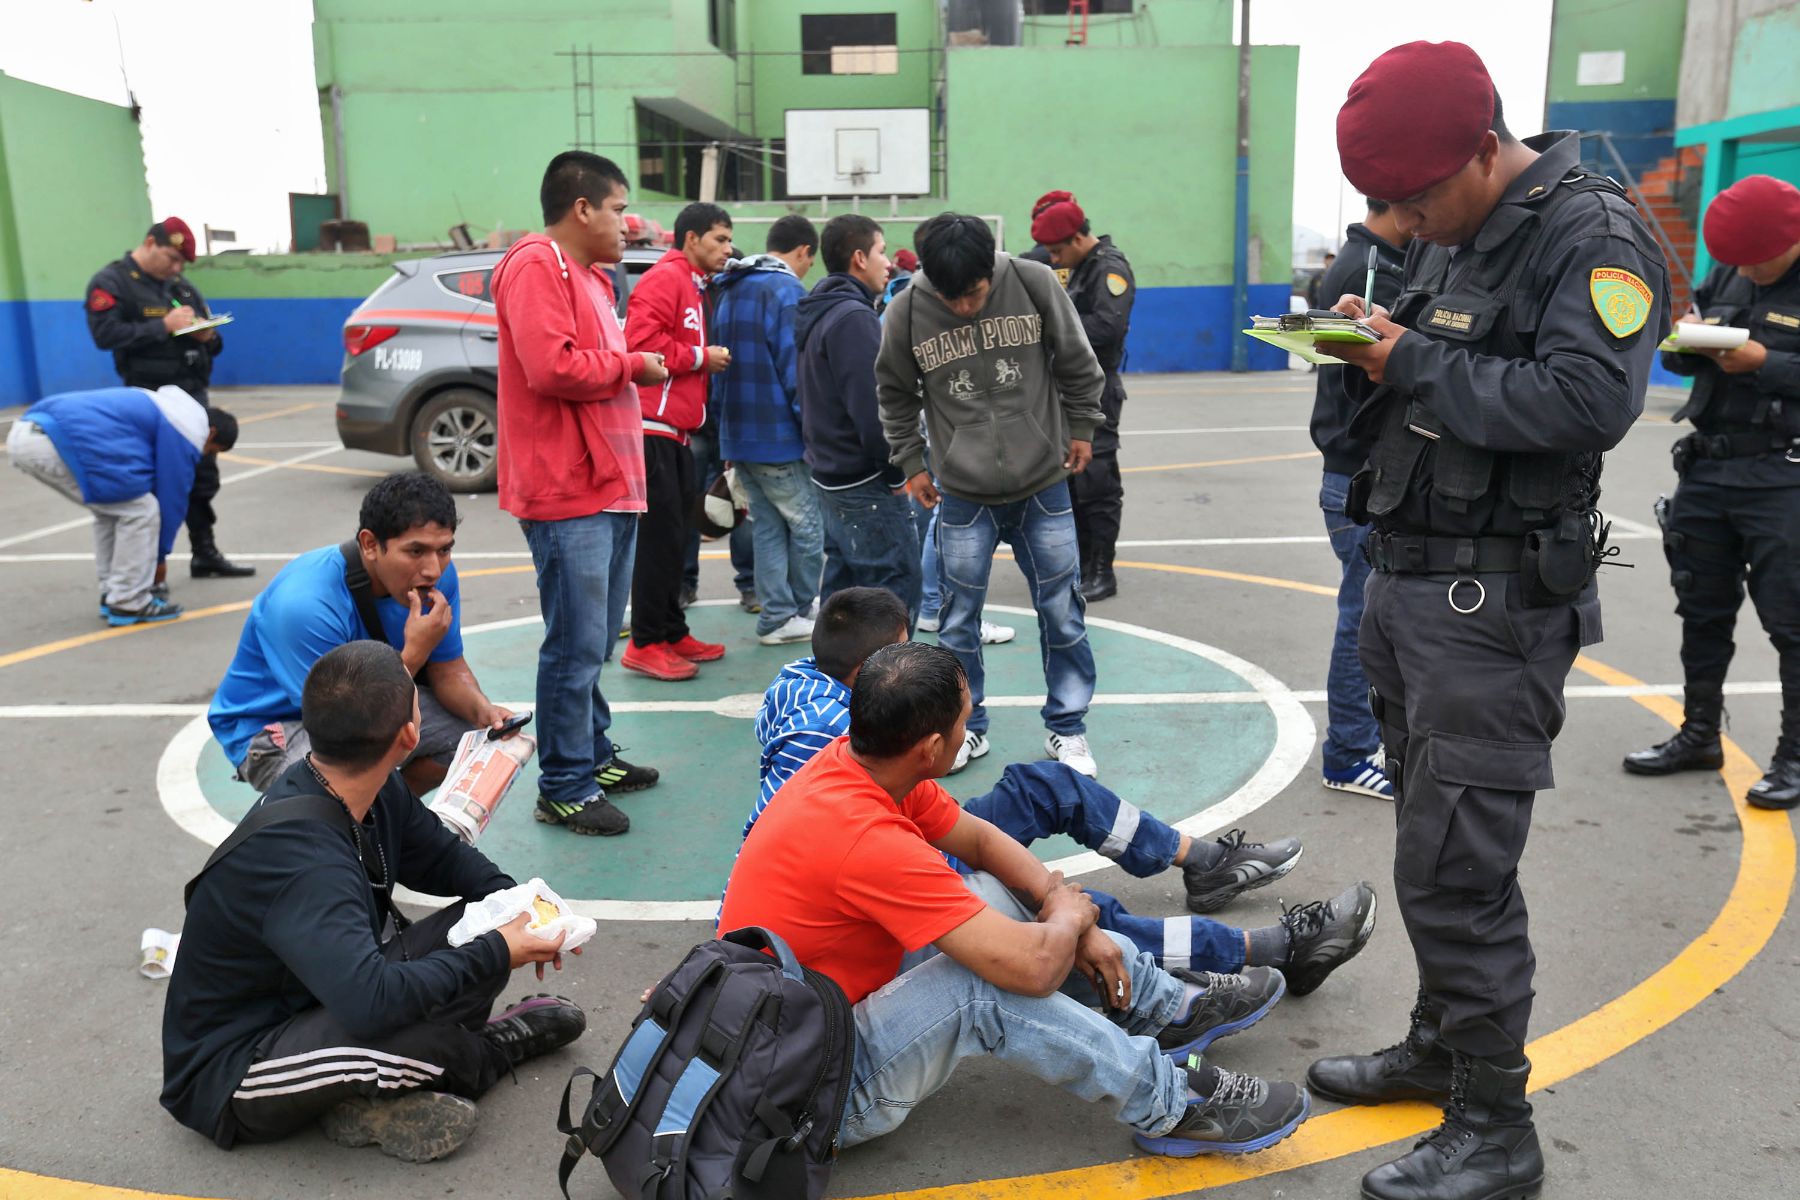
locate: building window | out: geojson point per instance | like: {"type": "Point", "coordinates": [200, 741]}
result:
{"type": "Point", "coordinates": [721, 25]}
{"type": "Point", "coordinates": [849, 44]}
{"type": "Point", "coordinates": [1060, 8]}
{"type": "Point", "coordinates": [659, 152]}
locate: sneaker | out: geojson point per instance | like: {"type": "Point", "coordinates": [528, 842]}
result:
{"type": "Point", "coordinates": [748, 602]}
{"type": "Point", "coordinates": [1366, 777]}
{"type": "Point", "coordinates": [1072, 750]}
{"type": "Point", "coordinates": [1246, 865]}
{"type": "Point", "coordinates": [658, 662]}
{"type": "Point", "coordinates": [812, 610]}
{"type": "Point", "coordinates": [160, 590]}
{"type": "Point", "coordinates": [1243, 1114]}
{"type": "Point", "coordinates": [1227, 1004]}
{"type": "Point", "coordinates": [697, 651]}
{"type": "Point", "coordinates": [930, 624]}
{"type": "Point", "coordinates": [416, 1126]}
{"type": "Point", "coordinates": [151, 611]}
{"type": "Point", "coordinates": [1326, 934]}
{"type": "Point", "coordinates": [998, 635]}
{"type": "Point", "coordinates": [974, 746]}
{"type": "Point", "coordinates": [535, 1026]}
{"type": "Point", "coordinates": [595, 817]}
{"type": "Point", "coordinates": [795, 629]}
{"type": "Point", "coordinates": [617, 775]}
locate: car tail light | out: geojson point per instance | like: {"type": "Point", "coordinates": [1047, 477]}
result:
{"type": "Point", "coordinates": [358, 338]}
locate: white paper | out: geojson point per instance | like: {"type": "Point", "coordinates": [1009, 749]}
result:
{"type": "Point", "coordinates": [1689, 336]}
{"type": "Point", "coordinates": [1600, 68]}
{"type": "Point", "coordinates": [157, 949]}
{"type": "Point", "coordinates": [493, 911]}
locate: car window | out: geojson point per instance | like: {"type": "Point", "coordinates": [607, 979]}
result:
{"type": "Point", "coordinates": [468, 285]}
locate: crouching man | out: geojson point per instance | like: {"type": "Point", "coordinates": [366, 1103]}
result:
{"type": "Point", "coordinates": [287, 1007]}
{"type": "Point", "coordinates": [845, 865]}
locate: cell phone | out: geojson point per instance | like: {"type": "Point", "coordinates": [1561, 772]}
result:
{"type": "Point", "coordinates": [511, 725]}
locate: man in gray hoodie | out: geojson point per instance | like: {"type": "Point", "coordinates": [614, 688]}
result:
{"type": "Point", "coordinates": [990, 347]}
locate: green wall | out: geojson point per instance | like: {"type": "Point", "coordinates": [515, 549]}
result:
{"type": "Point", "coordinates": [293, 276]}
{"type": "Point", "coordinates": [1649, 31]}
{"type": "Point", "coordinates": [774, 29]}
{"type": "Point", "coordinates": [1763, 63]}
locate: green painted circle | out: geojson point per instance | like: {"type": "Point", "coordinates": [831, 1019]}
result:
{"type": "Point", "coordinates": [1173, 759]}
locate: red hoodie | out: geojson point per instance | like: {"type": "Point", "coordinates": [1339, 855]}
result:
{"type": "Point", "coordinates": [665, 316]}
{"type": "Point", "coordinates": [571, 440]}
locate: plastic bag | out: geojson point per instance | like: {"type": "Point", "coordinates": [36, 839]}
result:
{"type": "Point", "coordinates": [496, 909]}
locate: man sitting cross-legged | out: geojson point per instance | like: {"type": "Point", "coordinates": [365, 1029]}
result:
{"type": "Point", "coordinates": [287, 1008]}
{"type": "Point", "coordinates": [847, 865]}
{"type": "Point", "coordinates": [808, 706]}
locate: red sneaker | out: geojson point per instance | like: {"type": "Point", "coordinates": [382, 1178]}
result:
{"type": "Point", "coordinates": [658, 662]}
{"type": "Point", "coordinates": [695, 650]}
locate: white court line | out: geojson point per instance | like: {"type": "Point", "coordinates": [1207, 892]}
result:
{"type": "Point", "coordinates": [281, 445]}
{"type": "Point", "coordinates": [241, 476]}
{"type": "Point", "coordinates": [1217, 429]}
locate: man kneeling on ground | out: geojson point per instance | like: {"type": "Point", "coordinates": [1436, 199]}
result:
{"type": "Point", "coordinates": [847, 865]}
{"type": "Point", "coordinates": [808, 707]}
{"type": "Point", "coordinates": [286, 1007]}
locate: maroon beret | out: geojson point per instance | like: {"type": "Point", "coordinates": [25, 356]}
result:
{"type": "Point", "coordinates": [1755, 219]}
{"type": "Point", "coordinates": [1048, 198]}
{"type": "Point", "coordinates": [1414, 118]}
{"type": "Point", "coordinates": [1057, 223]}
{"type": "Point", "coordinates": [906, 260]}
{"type": "Point", "coordinates": [175, 232]}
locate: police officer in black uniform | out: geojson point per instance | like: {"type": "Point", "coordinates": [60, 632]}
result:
{"type": "Point", "coordinates": [1736, 512]}
{"type": "Point", "coordinates": [1518, 352]}
{"type": "Point", "coordinates": [1101, 285]}
{"type": "Point", "coordinates": [135, 308]}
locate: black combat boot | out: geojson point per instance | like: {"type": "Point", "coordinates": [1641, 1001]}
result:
{"type": "Point", "coordinates": [1417, 1068]}
{"type": "Point", "coordinates": [1486, 1149]}
{"type": "Point", "coordinates": [208, 562]}
{"type": "Point", "coordinates": [1780, 788]}
{"type": "Point", "coordinates": [1696, 747]}
{"type": "Point", "coordinates": [1100, 584]}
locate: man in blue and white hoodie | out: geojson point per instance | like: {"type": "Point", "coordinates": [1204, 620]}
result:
{"type": "Point", "coordinates": [808, 707]}
{"type": "Point", "coordinates": [758, 405]}
{"type": "Point", "coordinates": [128, 456]}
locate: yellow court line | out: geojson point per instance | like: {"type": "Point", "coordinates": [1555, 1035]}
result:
{"type": "Point", "coordinates": [1225, 462]}
{"type": "Point", "coordinates": [102, 635]}
{"type": "Point", "coordinates": [235, 457]}
{"type": "Point", "coordinates": [280, 412]}
{"type": "Point", "coordinates": [1236, 576]}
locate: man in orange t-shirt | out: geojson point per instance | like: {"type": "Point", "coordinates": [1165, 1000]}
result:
{"type": "Point", "coordinates": [846, 864]}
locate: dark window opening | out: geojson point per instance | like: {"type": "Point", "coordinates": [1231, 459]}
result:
{"type": "Point", "coordinates": [1060, 8]}
{"type": "Point", "coordinates": [721, 25]}
{"type": "Point", "coordinates": [671, 158]}
{"type": "Point", "coordinates": [849, 44]}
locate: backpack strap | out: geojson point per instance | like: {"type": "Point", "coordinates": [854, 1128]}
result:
{"type": "Point", "coordinates": [294, 808]}
{"type": "Point", "coordinates": [362, 592]}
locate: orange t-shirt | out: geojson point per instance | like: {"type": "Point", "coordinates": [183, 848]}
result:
{"type": "Point", "coordinates": [847, 877]}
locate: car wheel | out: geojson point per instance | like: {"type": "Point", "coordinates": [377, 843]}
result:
{"type": "Point", "coordinates": [453, 438]}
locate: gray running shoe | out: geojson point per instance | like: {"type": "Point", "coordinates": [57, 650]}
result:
{"type": "Point", "coordinates": [1242, 1115]}
{"type": "Point", "coordinates": [413, 1126]}
{"type": "Point", "coordinates": [1246, 865]}
{"type": "Point", "coordinates": [1326, 934]}
{"type": "Point", "coordinates": [1226, 1004]}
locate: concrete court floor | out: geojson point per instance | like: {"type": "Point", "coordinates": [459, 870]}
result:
{"type": "Point", "coordinates": [1622, 874]}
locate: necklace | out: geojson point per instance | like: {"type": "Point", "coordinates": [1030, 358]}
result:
{"type": "Point", "coordinates": [355, 828]}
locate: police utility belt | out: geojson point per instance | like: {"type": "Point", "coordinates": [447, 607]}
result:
{"type": "Point", "coordinates": [1553, 565]}
{"type": "Point", "coordinates": [1733, 445]}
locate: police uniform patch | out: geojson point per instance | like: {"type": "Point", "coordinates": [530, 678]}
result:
{"type": "Point", "coordinates": [99, 300]}
{"type": "Point", "coordinates": [1622, 301]}
{"type": "Point", "coordinates": [1062, 276]}
{"type": "Point", "coordinates": [1116, 284]}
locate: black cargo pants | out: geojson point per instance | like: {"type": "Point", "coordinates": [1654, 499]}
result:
{"type": "Point", "coordinates": [1469, 704]}
{"type": "Point", "coordinates": [1098, 497]}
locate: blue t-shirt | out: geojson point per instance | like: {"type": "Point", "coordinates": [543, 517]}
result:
{"type": "Point", "coordinates": [305, 612]}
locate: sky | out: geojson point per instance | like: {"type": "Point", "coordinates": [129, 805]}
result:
{"type": "Point", "coordinates": [231, 124]}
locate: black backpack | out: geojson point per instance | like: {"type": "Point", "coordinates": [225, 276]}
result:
{"type": "Point", "coordinates": [729, 1087]}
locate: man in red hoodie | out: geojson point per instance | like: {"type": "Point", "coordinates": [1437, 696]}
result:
{"type": "Point", "coordinates": [666, 317]}
{"type": "Point", "coordinates": [571, 469]}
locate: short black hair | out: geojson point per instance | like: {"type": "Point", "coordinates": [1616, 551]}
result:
{"type": "Point", "coordinates": [224, 428]}
{"type": "Point", "coordinates": [1498, 124]}
{"type": "Point", "coordinates": [399, 502]}
{"type": "Point", "coordinates": [844, 235]}
{"type": "Point", "coordinates": [904, 693]}
{"type": "Point", "coordinates": [356, 699]}
{"type": "Point", "coordinates": [699, 219]}
{"type": "Point", "coordinates": [853, 624]}
{"type": "Point", "coordinates": [577, 175]}
{"type": "Point", "coordinates": [790, 233]}
{"type": "Point", "coordinates": [1376, 207]}
{"type": "Point", "coordinates": [957, 252]}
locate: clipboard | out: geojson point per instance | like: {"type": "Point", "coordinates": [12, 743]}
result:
{"type": "Point", "coordinates": [1298, 333]}
{"type": "Point", "coordinates": [1697, 337]}
{"type": "Point", "coordinates": [209, 323]}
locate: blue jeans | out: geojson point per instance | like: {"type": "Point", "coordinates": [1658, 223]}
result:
{"type": "Point", "coordinates": [911, 1034]}
{"type": "Point", "coordinates": [1039, 799]}
{"type": "Point", "coordinates": [1351, 733]}
{"type": "Point", "coordinates": [707, 466]}
{"type": "Point", "coordinates": [583, 579]}
{"type": "Point", "coordinates": [931, 597]}
{"type": "Point", "coordinates": [870, 542]}
{"type": "Point", "coordinates": [1041, 532]}
{"type": "Point", "coordinates": [789, 534]}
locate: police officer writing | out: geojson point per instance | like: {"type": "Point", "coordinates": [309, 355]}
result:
{"type": "Point", "coordinates": [137, 308]}
{"type": "Point", "coordinates": [1517, 353]}
{"type": "Point", "coordinates": [1736, 512]}
{"type": "Point", "coordinates": [1100, 284]}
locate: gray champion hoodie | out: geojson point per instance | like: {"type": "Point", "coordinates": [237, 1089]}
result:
{"type": "Point", "coordinates": [1003, 393]}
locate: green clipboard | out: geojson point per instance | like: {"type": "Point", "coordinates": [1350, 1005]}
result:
{"type": "Point", "coordinates": [1297, 334]}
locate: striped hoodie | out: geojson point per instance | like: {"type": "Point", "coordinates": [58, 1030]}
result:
{"type": "Point", "coordinates": [804, 711]}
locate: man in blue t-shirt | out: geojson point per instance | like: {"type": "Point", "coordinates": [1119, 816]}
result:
{"type": "Point", "coordinates": [405, 533]}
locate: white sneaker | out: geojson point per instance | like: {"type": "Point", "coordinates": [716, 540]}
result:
{"type": "Point", "coordinates": [929, 624]}
{"type": "Point", "coordinates": [996, 635]}
{"type": "Point", "coordinates": [794, 629]}
{"type": "Point", "coordinates": [1071, 749]}
{"type": "Point", "coordinates": [974, 746]}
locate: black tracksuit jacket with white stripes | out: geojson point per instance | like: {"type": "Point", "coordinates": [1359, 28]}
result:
{"type": "Point", "coordinates": [288, 922]}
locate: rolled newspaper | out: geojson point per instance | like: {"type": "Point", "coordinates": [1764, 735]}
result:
{"type": "Point", "coordinates": [481, 774]}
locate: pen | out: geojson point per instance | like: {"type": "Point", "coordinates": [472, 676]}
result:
{"type": "Point", "coordinates": [1369, 285]}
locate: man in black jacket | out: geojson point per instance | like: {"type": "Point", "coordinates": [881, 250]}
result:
{"type": "Point", "coordinates": [1352, 738]}
{"type": "Point", "coordinates": [137, 307]}
{"type": "Point", "coordinates": [286, 1008]}
{"type": "Point", "coordinates": [870, 538]}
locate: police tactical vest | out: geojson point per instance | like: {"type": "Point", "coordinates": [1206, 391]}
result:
{"type": "Point", "coordinates": [1417, 466]}
{"type": "Point", "coordinates": [1723, 403]}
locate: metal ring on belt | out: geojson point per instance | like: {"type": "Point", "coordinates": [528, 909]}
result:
{"type": "Point", "coordinates": [1480, 595]}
